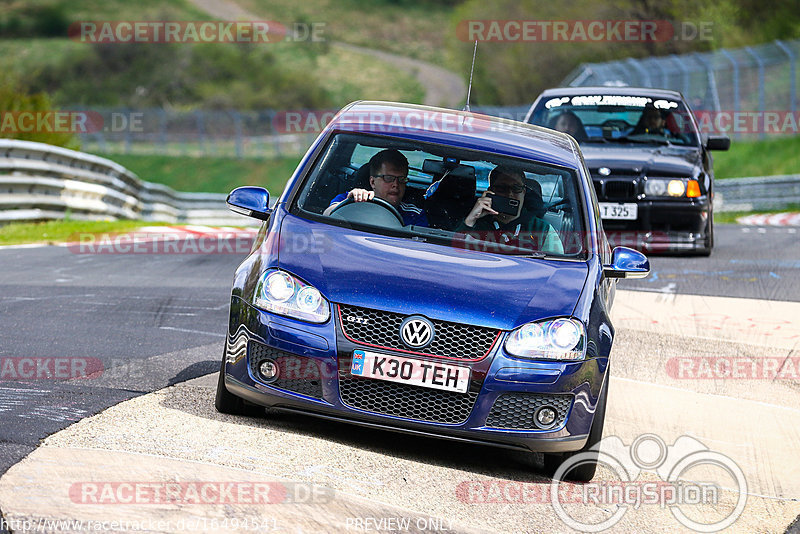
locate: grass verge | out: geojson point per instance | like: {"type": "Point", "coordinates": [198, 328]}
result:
{"type": "Point", "coordinates": [209, 175]}
{"type": "Point", "coordinates": [759, 158]}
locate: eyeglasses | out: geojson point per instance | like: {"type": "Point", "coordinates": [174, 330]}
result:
{"type": "Point", "coordinates": [389, 178]}
{"type": "Point", "coordinates": [504, 188]}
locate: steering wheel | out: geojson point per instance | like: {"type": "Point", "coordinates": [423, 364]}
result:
{"type": "Point", "coordinates": [618, 124]}
{"type": "Point", "coordinates": [366, 212]}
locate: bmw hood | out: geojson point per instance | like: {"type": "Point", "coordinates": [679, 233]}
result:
{"type": "Point", "coordinates": [414, 277]}
{"type": "Point", "coordinates": [642, 159]}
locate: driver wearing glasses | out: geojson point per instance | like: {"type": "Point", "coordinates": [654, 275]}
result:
{"type": "Point", "coordinates": [388, 176]}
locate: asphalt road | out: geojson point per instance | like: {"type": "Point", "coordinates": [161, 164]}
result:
{"type": "Point", "coordinates": [137, 323]}
{"type": "Point", "coordinates": [111, 317]}
{"type": "Point", "coordinates": [748, 262]}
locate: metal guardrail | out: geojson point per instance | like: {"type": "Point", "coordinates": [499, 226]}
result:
{"type": "Point", "coordinates": [43, 182]}
{"type": "Point", "coordinates": [757, 194]}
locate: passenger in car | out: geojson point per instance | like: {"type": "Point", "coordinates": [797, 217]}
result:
{"type": "Point", "coordinates": [524, 228]}
{"type": "Point", "coordinates": [388, 176]}
{"type": "Point", "coordinates": [570, 124]}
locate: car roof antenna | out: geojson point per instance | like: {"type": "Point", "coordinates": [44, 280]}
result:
{"type": "Point", "coordinates": [471, 70]}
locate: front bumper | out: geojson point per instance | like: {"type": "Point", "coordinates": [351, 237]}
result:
{"type": "Point", "coordinates": [504, 391]}
{"type": "Point", "coordinates": [663, 226]}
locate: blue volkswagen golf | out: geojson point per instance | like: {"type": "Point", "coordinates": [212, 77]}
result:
{"type": "Point", "coordinates": [434, 272]}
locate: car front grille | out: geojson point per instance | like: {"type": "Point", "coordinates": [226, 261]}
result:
{"type": "Point", "coordinates": [402, 400]}
{"type": "Point", "coordinates": [619, 189]}
{"type": "Point", "coordinates": [296, 374]}
{"type": "Point", "coordinates": [382, 329]}
{"type": "Point", "coordinates": [516, 411]}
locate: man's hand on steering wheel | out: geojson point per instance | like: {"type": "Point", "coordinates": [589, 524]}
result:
{"type": "Point", "coordinates": [361, 195]}
{"type": "Point", "coordinates": [365, 196]}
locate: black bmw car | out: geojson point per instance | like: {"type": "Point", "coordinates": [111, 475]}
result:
{"type": "Point", "coordinates": [651, 167]}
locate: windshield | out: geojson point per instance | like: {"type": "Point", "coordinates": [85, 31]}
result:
{"type": "Point", "coordinates": [429, 192]}
{"type": "Point", "coordinates": [618, 119]}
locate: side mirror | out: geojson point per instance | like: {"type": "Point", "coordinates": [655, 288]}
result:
{"type": "Point", "coordinates": [250, 201]}
{"type": "Point", "coordinates": [627, 263]}
{"type": "Point", "coordinates": [718, 142]}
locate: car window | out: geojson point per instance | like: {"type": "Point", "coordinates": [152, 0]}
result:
{"type": "Point", "coordinates": [617, 119]}
{"type": "Point", "coordinates": [443, 184]}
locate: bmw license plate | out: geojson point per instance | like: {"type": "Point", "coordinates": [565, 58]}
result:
{"type": "Point", "coordinates": [613, 210]}
{"type": "Point", "coordinates": [410, 371]}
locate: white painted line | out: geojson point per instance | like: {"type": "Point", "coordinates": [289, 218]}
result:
{"type": "Point", "coordinates": [215, 334]}
{"type": "Point", "coordinates": [31, 245]}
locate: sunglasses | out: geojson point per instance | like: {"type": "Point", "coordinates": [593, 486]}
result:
{"type": "Point", "coordinates": [389, 178]}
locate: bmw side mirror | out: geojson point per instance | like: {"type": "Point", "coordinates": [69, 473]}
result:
{"type": "Point", "coordinates": [250, 201]}
{"type": "Point", "coordinates": [718, 142]}
{"type": "Point", "coordinates": [627, 263]}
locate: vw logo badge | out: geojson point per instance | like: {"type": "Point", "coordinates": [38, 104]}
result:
{"type": "Point", "coordinates": [416, 331]}
{"type": "Point", "coordinates": [604, 171]}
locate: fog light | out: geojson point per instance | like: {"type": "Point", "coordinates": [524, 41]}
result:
{"type": "Point", "coordinates": [545, 417]}
{"type": "Point", "coordinates": [268, 370]}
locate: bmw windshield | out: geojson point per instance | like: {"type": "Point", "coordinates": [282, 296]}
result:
{"type": "Point", "coordinates": [618, 119]}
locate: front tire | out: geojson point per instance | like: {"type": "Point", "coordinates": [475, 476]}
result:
{"type": "Point", "coordinates": [584, 472]}
{"type": "Point", "coordinates": [228, 403]}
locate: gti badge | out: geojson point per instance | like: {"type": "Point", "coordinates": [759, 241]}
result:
{"type": "Point", "coordinates": [416, 331]}
{"type": "Point", "coordinates": [356, 319]}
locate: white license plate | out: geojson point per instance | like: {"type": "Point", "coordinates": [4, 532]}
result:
{"type": "Point", "coordinates": [410, 371]}
{"type": "Point", "coordinates": [612, 210]}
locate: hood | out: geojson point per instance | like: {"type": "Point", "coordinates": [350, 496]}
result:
{"type": "Point", "coordinates": [406, 276]}
{"type": "Point", "coordinates": [642, 159]}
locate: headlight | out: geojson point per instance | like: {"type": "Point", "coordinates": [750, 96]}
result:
{"type": "Point", "coordinates": [556, 339]}
{"type": "Point", "coordinates": [671, 187]}
{"type": "Point", "coordinates": [675, 188]}
{"type": "Point", "coordinates": [281, 293]}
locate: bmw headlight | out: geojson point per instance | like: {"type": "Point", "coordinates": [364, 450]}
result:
{"type": "Point", "coordinates": [555, 339]}
{"type": "Point", "coordinates": [280, 292]}
{"type": "Point", "coordinates": [671, 187]}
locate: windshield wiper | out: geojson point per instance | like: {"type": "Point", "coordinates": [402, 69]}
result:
{"type": "Point", "coordinates": [648, 141]}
